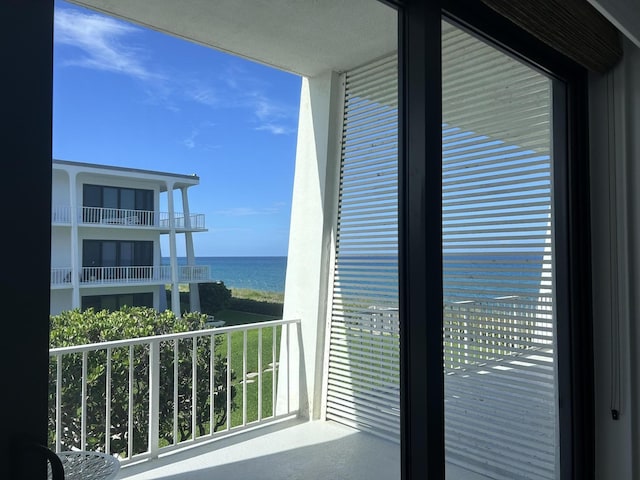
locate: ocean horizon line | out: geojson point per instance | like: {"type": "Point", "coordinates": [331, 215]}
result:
{"type": "Point", "coordinates": [262, 273]}
{"type": "Point", "coordinates": [231, 256]}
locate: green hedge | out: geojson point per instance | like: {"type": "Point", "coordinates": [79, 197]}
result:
{"type": "Point", "coordinates": [215, 296]}
{"type": "Point", "coordinates": [77, 328]}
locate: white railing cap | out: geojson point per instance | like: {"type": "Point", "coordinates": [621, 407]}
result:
{"type": "Point", "coordinates": [170, 336]}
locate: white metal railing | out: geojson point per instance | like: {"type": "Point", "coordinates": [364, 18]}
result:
{"type": "Point", "coordinates": [62, 215]}
{"type": "Point", "coordinates": [194, 221]}
{"type": "Point", "coordinates": [117, 216]}
{"type": "Point", "coordinates": [61, 276]}
{"type": "Point", "coordinates": [130, 274]}
{"type": "Point", "coordinates": [144, 274]}
{"type": "Point", "coordinates": [194, 273]}
{"type": "Point", "coordinates": [477, 331]}
{"type": "Point", "coordinates": [140, 397]}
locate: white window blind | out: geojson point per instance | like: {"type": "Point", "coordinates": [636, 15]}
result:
{"type": "Point", "coordinates": [498, 313]}
{"type": "Point", "coordinates": [363, 375]}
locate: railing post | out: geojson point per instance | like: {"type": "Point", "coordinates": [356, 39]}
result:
{"type": "Point", "coordinates": [83, 404]}
{"type": "Point", "coordinates": [154, 397]}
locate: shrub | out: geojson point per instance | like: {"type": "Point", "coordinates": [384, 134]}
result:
{"type": "Point", "coordinates": [214, 296]}
{"type": "Point", "coordinates": [77, 328]}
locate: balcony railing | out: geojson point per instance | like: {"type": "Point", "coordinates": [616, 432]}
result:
{"type": "Point", "coordinates": [63, 214]}
{"type": "Point", "coordinates": [129, 274]}
{"type": "Point", "coordinates": [480, 331]}
{"type": "Point", "coordinates": [138, 398]}
{"type": "Point", "coordinates": [194, 273]}
{"type": "Point", "coordinates": [62, 276]}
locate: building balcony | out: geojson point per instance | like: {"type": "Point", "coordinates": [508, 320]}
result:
{"type": "Point", "coordinates": [142, 398]}
{"type": "Point", "coordinates": [61, 277]}
{"type": "Point", "coordinates": [245, 399]}
{"type": "Point", "coordinates": [235, 414]}
{"type": "Point", "coordinates": [64, 215]}
{"type": "Point", "coordinates": [293, 449]}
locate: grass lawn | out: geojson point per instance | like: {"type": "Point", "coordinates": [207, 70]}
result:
{"type": "Point", "coordinates": [233, 317]}
{"type": "Point", "coordinates": [237, 347]}
{"type": "Point", "coordinates": [236, 317]}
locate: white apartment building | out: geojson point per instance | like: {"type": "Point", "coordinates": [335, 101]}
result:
{"type": "Point", "coordinates": [106, 226]}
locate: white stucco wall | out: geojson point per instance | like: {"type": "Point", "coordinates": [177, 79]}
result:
{"type": "Point", "coordinates": [311, 238]}
{"type": "Point", "coordinates": [60, 250]}
{"type": "Point", "coordinates": [121, 182]}
{"type": "Point", "coordinates": [60, 301]}
{"type": "Point", "coordinates": [60, 194]}
{"type": "Point", "coordinates": [615, 203]}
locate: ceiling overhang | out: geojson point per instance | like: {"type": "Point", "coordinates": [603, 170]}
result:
{"type": "Point", "coordinates": [305, 37]}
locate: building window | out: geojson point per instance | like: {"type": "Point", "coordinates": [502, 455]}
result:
{"type": "Point", "coordinates": [117, 258]}
{"type": "Point", "coordinates": [116, 302]}
{"type": "Point", "coordinates": [103, 204]}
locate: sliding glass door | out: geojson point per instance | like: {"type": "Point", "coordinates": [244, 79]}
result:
{"type": "Point", "coordinates": [499, 315]}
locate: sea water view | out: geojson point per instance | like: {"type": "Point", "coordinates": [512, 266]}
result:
{"type": "Point", "coordinates": [255, 273]}
{"type": "Point", "coordinates": [513, 273]}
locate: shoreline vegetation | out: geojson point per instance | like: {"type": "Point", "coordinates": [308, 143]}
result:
{"type": "Point", "coordinates": [257, 295]}
{"type": "Point", "coordinates": [244, 305]}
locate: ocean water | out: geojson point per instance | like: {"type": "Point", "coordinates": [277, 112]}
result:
{"type": "Point", "coordinates": [256, 273]}
{"type": "Point", "coordinates": [516, 274]}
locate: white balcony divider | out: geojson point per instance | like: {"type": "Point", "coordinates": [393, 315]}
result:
{"type": "Point", "coordinates": [363, 376]}
{"type": "Point", "coordinates": [138, 398]}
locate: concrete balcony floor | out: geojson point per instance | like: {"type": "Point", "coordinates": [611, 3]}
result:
{"type": "Point", "coordinates": [294, 449]}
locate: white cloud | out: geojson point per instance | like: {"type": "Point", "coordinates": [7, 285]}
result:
{"type": "Point", "coordinates": [99, 38]}
{"type": "Point", "coordinates": [204, 95]}
{"type": "Point", "coordinates": [266, 109]}
{"type": "Point", "coordinates": [275, 129]}
{"type": "Point", "coordinates": [249, 92]}
{"type": "Point", "coordinates": [190, 140]}
{"type": "Point", "coordinates": [231, 230]}
{"type": "Point", "coordinates": [107, 44]}
{"type": "Point", "coordinates": [272, 116]}
{"type": "Point", "coordinates": [246, 211]}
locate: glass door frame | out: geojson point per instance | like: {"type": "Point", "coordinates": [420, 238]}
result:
{"type": "Point", "coordinates": [420, 216]}
{"type": "Point", "coordinates": [28, 142]}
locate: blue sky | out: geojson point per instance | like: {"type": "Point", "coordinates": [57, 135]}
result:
{"type": "Point", "coordinates": [129, 96]}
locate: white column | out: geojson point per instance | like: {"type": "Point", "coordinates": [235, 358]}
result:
{"type": "Point", "coordinates": [194, 293]}
{"type": "Point", "coordinates": [76, 261]}
{"type": "Point", "coordinates": [173, 253]}
{"type": "Point", "coordinates": [311, 239]}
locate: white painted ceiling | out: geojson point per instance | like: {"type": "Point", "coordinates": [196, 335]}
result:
{"type": "Point", "coordinates": [306, 37]}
